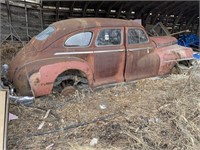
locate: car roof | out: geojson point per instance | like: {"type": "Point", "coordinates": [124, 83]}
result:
{"type": "Point", "coordinates": [65, 27]}
{"type": "Point", "coordinates": [70, 25]}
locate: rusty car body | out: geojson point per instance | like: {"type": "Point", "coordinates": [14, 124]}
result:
{"type": "Point", "coordinates": [94, 52]}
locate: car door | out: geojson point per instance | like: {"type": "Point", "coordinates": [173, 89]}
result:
{"type": "Point", "coordinates": [109, 56]}
{"type": "Point", "coordinates": [141, 61]}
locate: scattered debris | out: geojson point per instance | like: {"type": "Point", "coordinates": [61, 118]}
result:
{"type": "Point", "coordinates": [50, 146]}
{"type": "Point", "coordinates": [47, 114]}
{"type": "Point", "coordinates": [12, 117]}
{"type": "Point", "coordinates": [4, 70]}
{"type": "Point", "coordinates": [154, 114]}
{"type": "Point", "coordinates": [41, 125]}
{"type": "Point", "coordinates": [25, 100]}
{"type": "Point", "coordinates": [196, 56]}
{"type": "Point", "coordinates": [93, 142]}
{"type": "Point", "coordinates": [154, 120]}
{"type": "Point", "coordinates": [43, 122]}
{"type": "Point", "coordinates": [102, 106]}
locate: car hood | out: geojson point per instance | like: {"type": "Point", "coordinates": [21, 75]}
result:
{"type": "Point", "coordinates": [163, 41]}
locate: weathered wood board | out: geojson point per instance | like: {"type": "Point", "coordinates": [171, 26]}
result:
{"type": "Point", "coordinates": [3, 119]}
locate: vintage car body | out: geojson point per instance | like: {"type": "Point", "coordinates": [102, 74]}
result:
{"type": "Point", "coordinates": [93, 51]}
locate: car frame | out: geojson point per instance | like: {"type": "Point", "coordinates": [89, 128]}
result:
{"type": "Point", "coordinates": [74, 53]}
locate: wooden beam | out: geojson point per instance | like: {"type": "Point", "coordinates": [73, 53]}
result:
{"type": "Point", "coordinates": [9, 18]}
{"type": "Point", "coordinates": [191, 20]}
{"type": "Point", "coordinates": [176, 21]}
{"type": "Point", "coordinates": [174, 8]}
{"type": "Point", "coordinates": [85, 8]}
{"type": "Point", "coordinates": [119, 11]}
{"type": "Point", "coordinates": [97, 9]}
{"type": "Point", "coordinates": [110, 7]}
{"type": "Point", "coordinates": [160, 6]}
{"type": "Point", "coordinates": [142, 10]}
{"type": "Point", "coordinates": [72, 8]}
{"type": "Point", "coordinates": [155, 10]}
{"type": "Point", "coordinates": [26, 19]}
{"type": "Point", "coordinates": [4, 117]}
{"type": "Point", "coordinates": [131, 9]}
{"type": "Point", "coordinates": [193, 24]}
{"type": "Point", "coordinates": [41, 15]}
{"type": "Point", "coordinates": [57, 10]}
{"type": "Point", "coordinates": [185, 8]}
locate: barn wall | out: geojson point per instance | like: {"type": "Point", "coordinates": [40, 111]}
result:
{"type": "Point", "coordinates": [39, 16]}
{"type": "Point", "coordinates": [18, 22]}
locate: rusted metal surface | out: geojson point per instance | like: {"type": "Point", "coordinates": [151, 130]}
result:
{"type": "Point", "coordinates": [164, 41]}
{"type": "Point", "coordinates": [35, 69]}
{"type": "Point", "coordinates": [68, 90]}
{"type": "Point", "coordinates": [170, 55]}
{"type": "Point", "coordinates": [141, 61]}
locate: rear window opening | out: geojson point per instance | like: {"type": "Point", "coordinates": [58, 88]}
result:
{"type": "Point", "coordinates": [45, 34]}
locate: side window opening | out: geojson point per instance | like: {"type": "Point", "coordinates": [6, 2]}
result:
{"type": "Point", "coordinates": [79, 40]}
{"type": "Point", "coordinates": [136, 36]}
{"type": "Point", "coordinates": [109, 37]}
{"type": "Point", "coordinates": [46, 33]}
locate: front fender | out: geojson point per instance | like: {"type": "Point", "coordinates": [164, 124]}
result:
{"type": "Point", "coordinates": [42, 81]}
{"type": "Point", "coordinates": [170, 55]}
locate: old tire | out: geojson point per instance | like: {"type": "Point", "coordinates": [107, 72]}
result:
{"type": "Point", "coordinates": [69, 90]}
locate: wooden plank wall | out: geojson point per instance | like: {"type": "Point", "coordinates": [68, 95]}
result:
{"type": "Point", "coordinates": [39, 18]}
{"type": "Point", "coordinates": [19, 22]}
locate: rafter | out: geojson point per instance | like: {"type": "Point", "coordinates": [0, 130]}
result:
{"type": "Point", "coordinates": [109, 8]}
{"type": "Point", "coordinates": [72, 8]}
{"type": "Point", "coordinates": [98, 7]}
{"type": "Point", "coordinates": [85, 8]}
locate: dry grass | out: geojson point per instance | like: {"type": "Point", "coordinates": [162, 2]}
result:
{"type": "Point", "coordinates": [8, 50]}
{"type": "Point", "coordinates": [147, 115]}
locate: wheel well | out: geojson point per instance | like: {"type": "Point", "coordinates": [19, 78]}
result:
{"type": "Point", "coordinates": [182, 66]}
{"type": "Point", "coordinates": [70, 77]}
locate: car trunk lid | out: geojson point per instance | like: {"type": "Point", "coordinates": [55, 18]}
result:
{"type": "Point", "coordinates": [163, 41]}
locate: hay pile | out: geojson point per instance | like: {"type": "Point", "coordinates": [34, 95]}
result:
{"type": "Point", "coordinates": [150, 114]}
{"type": "Point", "coordinates": [147, 115]}
{"type": "Point", "coordinates": [8, 51]}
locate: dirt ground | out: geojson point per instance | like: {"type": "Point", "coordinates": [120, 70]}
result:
{"type": "Point", "coordinates": [150, 114]}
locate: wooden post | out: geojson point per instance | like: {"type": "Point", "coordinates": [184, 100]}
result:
{"type": "Point", "coordinates": [9, 19]}
{"type": "Point", "coordinates": [57, 10]}
{"type": "Point", "coordinates": [26, 17]}
{"type": "Point", "coordinates": [85, 8]}
{"type": "Point", "coordinates": [97, 9]}
{"type": "Point", "coordinates": [176, 21]}
{"type": "Point", "coordinates": [197, 31]}
{"type": "Point", "coordinates": [119, 11]}
{"type": "Point", "coordinates": [72, 9]}
{"type": "Point", "coordinates": [109, 9]}
{"type": "Point", "coordinates": [41, 15]}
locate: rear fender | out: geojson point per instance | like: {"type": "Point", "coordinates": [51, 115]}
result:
{"type": "Point", "coordinates": [42, 81]}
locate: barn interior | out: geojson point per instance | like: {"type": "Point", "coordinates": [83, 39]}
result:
{"type": "Point", "coordinates": [23, 19]}
{"type": "Point", "coordinates": [153, 113]}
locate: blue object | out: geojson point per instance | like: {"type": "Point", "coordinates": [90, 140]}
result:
{"type": "Point", "coordinates": [196, 56]}
{"type": "Point", "coordinates": [189, 40]}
